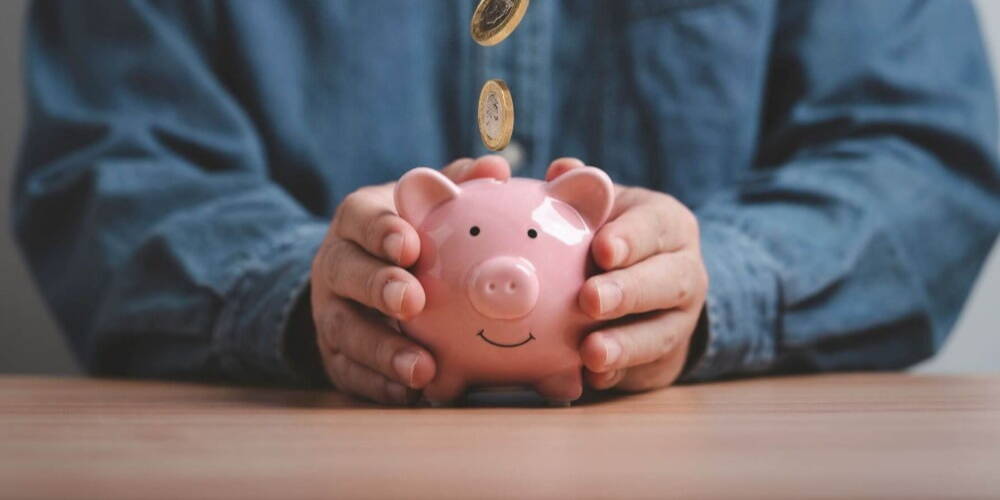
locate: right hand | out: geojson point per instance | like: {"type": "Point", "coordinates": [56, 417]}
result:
{"type": "Point", "coordinates": [360, 289]}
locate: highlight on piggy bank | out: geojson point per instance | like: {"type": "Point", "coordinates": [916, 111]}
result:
{"type": "Point", "coordinates": [502, 263]}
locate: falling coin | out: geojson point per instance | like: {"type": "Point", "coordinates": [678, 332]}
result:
{"type": "Point", "coordinates": [496, 114]}
{"type": "Point", "coordinates": [494, 20]}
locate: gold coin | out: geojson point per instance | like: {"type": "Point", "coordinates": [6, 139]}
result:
{"type": "Point", "coordinates": [494, 20]}
{"type": "Point", "coordinates": [496, 115]}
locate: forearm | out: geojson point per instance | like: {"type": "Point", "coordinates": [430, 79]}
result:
{"type": "Point", "coordinates": [874, 202]}
{"type": "Point", "coordinates": [145, 204]}
{"type": "Point", "coordinates": [833, 267]}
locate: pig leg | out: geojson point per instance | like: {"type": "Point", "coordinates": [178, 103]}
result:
{"type": "Point", "coordinates": [444, 389]}
{"type": "Point", "coordinates": [562, 388]}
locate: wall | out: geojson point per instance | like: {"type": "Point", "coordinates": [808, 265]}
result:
{"type": "Point", "coordinates": [29, 341]}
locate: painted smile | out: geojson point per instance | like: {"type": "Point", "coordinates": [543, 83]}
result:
{"type": "Point", "coordinates": [498, 344]}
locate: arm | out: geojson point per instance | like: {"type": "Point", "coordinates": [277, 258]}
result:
{"type": "Point", "coordinates": [876, 197]}
{"type": "Point", "coordinates": [144, 203]}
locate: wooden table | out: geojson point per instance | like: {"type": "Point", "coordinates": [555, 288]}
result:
{"type": "Point", "coordinates": [893, 435]}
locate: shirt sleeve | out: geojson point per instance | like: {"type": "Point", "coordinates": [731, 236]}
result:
{"type": "Point", "coordinates": [144, 204]}
{"type": "Point", "coordinates": [874, 199]}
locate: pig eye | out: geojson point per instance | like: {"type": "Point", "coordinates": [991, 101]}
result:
{"type": "Point", "coordinates": [474, 230]}
{"type": "Point", "coordinates": [532, 233]}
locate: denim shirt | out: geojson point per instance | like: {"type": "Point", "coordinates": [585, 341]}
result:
{"type": "Point", "coordinates": [182, 161]}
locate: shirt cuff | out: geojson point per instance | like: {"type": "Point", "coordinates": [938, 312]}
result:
{"type": "Point", "coordinates": [742, 306]}
{"type": "Point", "coordinates": [251, 332]}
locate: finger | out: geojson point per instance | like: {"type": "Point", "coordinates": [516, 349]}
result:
{"type": "Point", "coordinates": [457, 168]}
{"type": "Point", "coordinates": [655, 375]}
{"type": "Point", "coordinates": [656, 225]}
{"type": "Point", "coordinates": [489, 166]}
{"type": "Point", "coordinates": [369, 341]}
{"type": "Point", "coordinates": [606, 380]}
{"type": "Point", "coordinates": [560, 166]}
{"type": "Point", "coordinates": [355, 379]}
{"type": "Point", "coordinates": [368, 217]}
{"type": "Point", "coordinates": [638, 342]}
{"type": "Point", "coordinates": [352, 273]}
{"type": "Point", "coordinates": [663, 281]}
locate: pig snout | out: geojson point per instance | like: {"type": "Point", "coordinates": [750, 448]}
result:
{"type": "Point", "coordinates": [503, 287]}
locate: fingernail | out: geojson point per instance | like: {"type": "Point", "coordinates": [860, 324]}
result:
{"type": "Point", "coordinates": [619, 251]}
{"type": "Point", "coordinates": [397, 393]}
{"type": "Point", "coordinates": [404, 362]}
{"type": "Point", "coordinates": [392, 245]}
{"type": "Point", "coordinates": [612, 350]}
{"type": "Point", "coordinates": [392, 294]}
{"type": "Point", "coordinates": [609, 296]}
{"type": "Point", "coordinates": [466, 166]}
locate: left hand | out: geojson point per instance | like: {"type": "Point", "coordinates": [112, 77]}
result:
{"type": "Point", "coordinates": [653, 289]}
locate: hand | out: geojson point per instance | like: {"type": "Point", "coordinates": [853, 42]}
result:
{"type": "Point", "coordinates": [360, 288]}
{"type": "Point", "coordinates": [653, 289]}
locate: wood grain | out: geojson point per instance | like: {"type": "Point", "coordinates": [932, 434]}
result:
{"type": "Point", "coordinates": [884, 436]}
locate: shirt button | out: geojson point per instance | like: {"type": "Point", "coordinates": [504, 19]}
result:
{"type": "Point", "coordinates": [514, 154]}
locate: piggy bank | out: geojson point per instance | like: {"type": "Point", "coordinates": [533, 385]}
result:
{"type": "Point", "coordinates": [502, 263]}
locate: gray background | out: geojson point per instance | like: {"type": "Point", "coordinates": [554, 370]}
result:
{"type": "Point", "coordinates": [30, 342]}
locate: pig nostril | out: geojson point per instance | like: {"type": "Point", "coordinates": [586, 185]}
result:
{"type": "Point", "coordinates": [503, 287]}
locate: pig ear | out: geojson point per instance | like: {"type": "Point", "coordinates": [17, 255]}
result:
{"type": "Point", "coordinates": [589, 190]}
{"type": "Point", "coordinates": [421, 190]}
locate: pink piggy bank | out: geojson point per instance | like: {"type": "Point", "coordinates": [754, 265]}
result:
{"type": "Point", "coordinates": [502, 263]}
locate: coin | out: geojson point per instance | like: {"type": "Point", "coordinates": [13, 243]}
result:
{"type": "Point", "coordinates": [496, 114]}
{"type": "Point", "coordinates": [494, 20]}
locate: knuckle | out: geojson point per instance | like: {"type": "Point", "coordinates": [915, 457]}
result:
{"type": "Point", "coordinates": [381, 390]}
{"type": "Point", "coordinates": [669, 200]}
{"type": "Point", "coordinates": [695, 225]}
{"type": "Point", "coordinates": [615, 378]}
{"type": "Point", "coordinates": [682, 293]}
{"type": "Point", "coordinates": [633, 244]}
{"type": "Point", "coordinates": [320, 258]}
{"type": "Point", "coordinates": [333, 268]}
{"type": "Point", "coordinates": [666, 343]}
{"type": "Point", "coordinates": [353, 204]}
{"type": "Point", "coordinates": [661, 201]}
{"type": "Point", "coordinates": [634, 295]}
{"type": "Point", "coordinates": [643, 194]}
{"type": "Point", "coordinates": [664, 240]}
{"type": "Point", "coordinates": [638, 382]}
{"type": "Point", "coordinates": [687, 279]}
{"type": "Point", "coordinates": [628, 350]}
{"type": "Point", "coordinates": [371, 233]}
{"type": "Point", "coordinates": [704, 282]}
{"type": "Point", "coordinates": [325, 333]}
{"type": "Point", "coordinates": [649, 383]}
{"type": "Point", "coordinates": [335, 381]}
{"type": "Point", "coordinates": [348, 205]}
{"type": "Point", "coordinates": [376, 229]}
{"type": "Point", "coordinates": [687, 221]}
{"type": "Point", "coordinates": [331, 373]}
{"type": "Point", "coordinates": [385, 349]}
{"type": "Point", "coordinates": [375, 282]}
{"type": "Point", "coordinates": [663, 377]}
{"type": "Point", "coordinates": [333, 327]}
{"type": "Point", "coordinates": [338, 367]}
{"type": "Point", "coordinates": [629, 384]}
{"type": "Point", "coordinates": [603, 381]}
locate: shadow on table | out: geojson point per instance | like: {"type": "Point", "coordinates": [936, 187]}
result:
{"type": "Point", "coordinates": [330, 399]}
